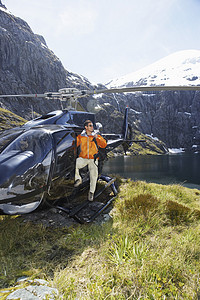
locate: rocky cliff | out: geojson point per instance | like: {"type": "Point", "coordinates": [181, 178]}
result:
{"type": "Point", "coordinates": [27, 65]}
{"type": "Point", "coordinates": [173, 117]}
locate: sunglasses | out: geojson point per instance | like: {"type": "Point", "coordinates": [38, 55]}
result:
{"type": "Point", "coordinates": [91, 125]}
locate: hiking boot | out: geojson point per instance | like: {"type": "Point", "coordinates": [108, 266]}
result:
{"type": "Point", "coordinates": [77, 182]}
{"type": "Point", "coordinates": [91, 196]}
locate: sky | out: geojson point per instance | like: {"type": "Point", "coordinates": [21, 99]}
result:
{"type": "Point", "coordinates": [106, 39]}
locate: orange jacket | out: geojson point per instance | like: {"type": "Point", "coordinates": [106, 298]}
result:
{"type": "Point", "coordinates": [87, 146]}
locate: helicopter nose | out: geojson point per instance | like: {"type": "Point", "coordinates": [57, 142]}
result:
{"type": "Point", "coordinates": [14, 163]}
{"type": "Point", "coordinates": [22, 182]}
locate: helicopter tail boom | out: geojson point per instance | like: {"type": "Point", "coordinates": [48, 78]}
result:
{"type": "Point", "coordinates": [125, 125]}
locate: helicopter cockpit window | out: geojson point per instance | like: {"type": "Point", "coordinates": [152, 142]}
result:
{"type": "Point", "coordinates": [79, 118]}
{"type": "Point", "coordinates": [65, 118]}
{"type": "Point", "coordinates": [7, 137]}
{"type": "Point", "coordinates": [36, 141]}
{"type": "Point", "coordinates": [45, 117]}
{"type": "Point", "coordinates": [64, 140]}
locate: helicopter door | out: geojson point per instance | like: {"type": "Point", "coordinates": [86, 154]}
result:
{"type": "Point", "coordinates": [65, 153]}
{"type": "Point", "coordinates": [62, 182]}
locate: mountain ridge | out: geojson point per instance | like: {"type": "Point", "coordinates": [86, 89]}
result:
{"type": "Point", "coordinates": [172, 116]}
{"type": "Point", "coordinates": [178, 68]}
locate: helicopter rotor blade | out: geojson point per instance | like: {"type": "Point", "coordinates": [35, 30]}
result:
{"type": "Point", "coordinates": [73, 93]}
{"type": "Point", "coordinates": [143, 89]}
{"type": "Point", "coordinates": [62, 94]}
{"type": "Point", "coordinates": [26, 95]}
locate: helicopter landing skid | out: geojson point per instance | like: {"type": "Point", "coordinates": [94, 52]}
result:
{"type": "Point", "coordinates": [74, 213]}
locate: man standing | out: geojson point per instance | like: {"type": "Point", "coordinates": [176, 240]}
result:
{"type": "Point", "coordinates": [88, 149]}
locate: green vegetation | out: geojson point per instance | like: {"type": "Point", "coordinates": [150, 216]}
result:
{"type": "Point", "coordinates": [151, 249]}
{"type": "Point", "coordinates": [9, 119]}
{"type": "Point", "coordinates": [149, 147]}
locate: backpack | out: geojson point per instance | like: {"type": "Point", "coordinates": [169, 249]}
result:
{"type": "Point", "coordinates": [102, 152]}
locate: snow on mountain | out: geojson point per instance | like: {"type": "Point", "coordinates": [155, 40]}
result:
{"type": "Point", "coordinates": [4, 9]}
{"type": "Point", "coordinates": [179, 68]}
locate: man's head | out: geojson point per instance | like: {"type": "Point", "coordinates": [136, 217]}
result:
{"type": "Point", "coordinates": [88, 126]}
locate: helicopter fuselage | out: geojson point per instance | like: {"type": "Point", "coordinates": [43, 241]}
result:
{"type": "Point", "coordinates": [39, 157]}
{"type": "Point", "coordinates": [35, 156]}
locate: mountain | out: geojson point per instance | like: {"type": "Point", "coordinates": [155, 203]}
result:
{"type": "Point", "coordinates": [173, 117]}
{"type": "Point", "coordinates": [27, 65]}
{"type": "Point", "coordinates": [179, 68]}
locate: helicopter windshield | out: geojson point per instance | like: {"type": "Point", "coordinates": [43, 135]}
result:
{"type": "Point", "coordinates": [7, 137]}
{"type": "Point", "coordinates": [35, 140]}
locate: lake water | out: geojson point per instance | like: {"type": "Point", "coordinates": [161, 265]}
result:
{"type": "Point", "coordinates": [181, 168]}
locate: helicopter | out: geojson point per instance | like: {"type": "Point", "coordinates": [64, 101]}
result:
{"type": "Point", "coordinates": [37, 156]}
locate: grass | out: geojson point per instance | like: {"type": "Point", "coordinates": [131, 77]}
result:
{"type": "Point", "coordinates": [9, 120]}
{"type": "Point", "coordinates": [151, 249]}
{"type": "Point", "coordinates": [147, 147]}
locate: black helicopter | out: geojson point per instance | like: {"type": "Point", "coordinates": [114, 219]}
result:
{"type": "Point", "coordinates": [37, 156]}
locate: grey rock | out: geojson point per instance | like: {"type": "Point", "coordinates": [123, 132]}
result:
{"type": "Point", "coordinates": [37, 290]}
{"type": "Point", "coordinates": [33, 292]}
{"type": "Point", "coordinates": [170, 116]}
